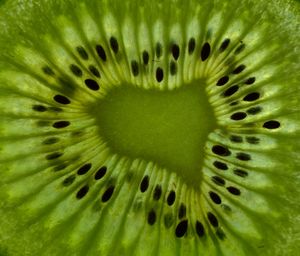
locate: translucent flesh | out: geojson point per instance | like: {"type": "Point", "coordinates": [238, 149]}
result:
{"type": "Point", "coordinates": [41, 212]}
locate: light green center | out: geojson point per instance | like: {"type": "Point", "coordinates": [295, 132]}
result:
{"type": "Point", "coordinates": [168, 128]}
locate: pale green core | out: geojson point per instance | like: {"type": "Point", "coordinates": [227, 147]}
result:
{"type": "Point", "coordinates": [168, 128]}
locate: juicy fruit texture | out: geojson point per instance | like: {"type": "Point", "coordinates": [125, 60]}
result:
{"type": "Point", "coordinates": [81, 80]}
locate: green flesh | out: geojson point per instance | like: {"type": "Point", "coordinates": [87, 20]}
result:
{"type": "Point", "coordinates": [149, 150]}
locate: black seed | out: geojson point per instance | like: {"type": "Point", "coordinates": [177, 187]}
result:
{"type": "Point", "coordinates": [231, 90]}
{"type": "Point", "coordinates": [82, 192]}
{"type": "Point", "coordinates": [254, 110]}
{"type": "Point", "coordinates": [272, 124]}
{"type": "Point", "coordinates": [224, 45]}
{"type": "Point", "coordinates": [181, 228]}
{"type": "Point", "coordinates": [60, 167]}
{"type": "Point", "coordinates": [233, 103]}
{"type": "Point", "coordinates": [223, 80]}
{"type": "Point", "coordinates": [239, 49]}
{"type": "Point", "coordinates": [48, 71]}
{"type": "Point", "coordinates": [252, 140]}
{"type": "Point", "coordinates": [220, 150]}
{"type": "Point", "coordinates": [215, 197]}
{"type": "Point", "coordinates": [243, 156]}
{"type": "Point", "coordinates": [144, 184]}
{"type": "Point", "coordinates": [173, 68]}
{"type": "Point", "coordinates": [61, 99]}
{"type": "Point", "coordinates": [168, 220]}
{"type": "Point", "coordinates": [171, 197]}
{"type": "Point", "coordinates": [61, 124]}
{"type": "Point", "coordinates": [251, 96]}
{"type": "Point", "coordinates": [100, 173]}
{"type": "Point", "coordinates": [84, 169]}
{"type": "Point", "coordinates": [134, 67]}
{"type": "Point", "coordinates": [145, 57]}
{"type": "Point", "coordinates": [50, 141]}
{"type": "Point", "coordinates": [151, 217]}
{"type": "Point", "coordinates": [220, 165]}
{"type": "Point", "coordinates": [94, 71]}
{"type": "Point", "coordinates": [212, 219]}
{"type": "Point", "coordinates": [82, 52]}
{"type": "Point", "coordinates": [205, 51]}
{"type": "Point", "coordinates": [220, 234]}
{"type": "Point", "coordinates": [101, 53]}
{"type": "Point", "coordinates": [235, 138]}
{"type": "Point", "coordinates": [158, 50]}
{"type": "Point", "coordinates": [250, 80]}
{"type": "Point", "coordinates": [238, 116]}
{"type": "Point", "coordinates": [107, 194]}
{"type": "Point", "coordinates": [239, 69]}
{"type": "Point", "coordinates": [234, 191]}
{"type": "Point", "coordinates": [175, 51]}
{"type": "Point", "coordinates": [76, 70]}
{"type": "Point", "coordinates": [54, 155]}
{"type": "Point", "coordinates": [69, 180]}
{"type": "Point", "coordinates": [39, 108]}
{"type": "Point", "coordinates": [182, 211]}
{"type": "Point", "coordinates": [240, 173]}
{"type": "Point", "coordinates": [55, 109]}
{"type": "Point", "coordinates": [218, 180]}
{"type": "Point", "coordinates": [191, 45]}
{"type": "Point", "coordinates": [159, 75]}
{"type": "Point", "coordinates": [199, 229]}
{"type": "Point", "coordinates": [157, 192]}
{"type": "Point", "coordinates": [92, 84]}
{"type": "Point", "coordinates": [114, 44]}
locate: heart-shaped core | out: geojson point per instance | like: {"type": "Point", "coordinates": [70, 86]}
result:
{"type": "Point", "coordinates": [168, 128]}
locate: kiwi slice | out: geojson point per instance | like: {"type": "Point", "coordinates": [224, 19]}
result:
{"type": "Point", "coordinates": [149, 127]}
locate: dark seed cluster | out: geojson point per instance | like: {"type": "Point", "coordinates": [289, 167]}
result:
{"type": "Point", "coordinates": [82, 192]}
{"type": "Point", "coordinates": [228, 88]}
{"type": "Point", "coordinates": [182, 225]}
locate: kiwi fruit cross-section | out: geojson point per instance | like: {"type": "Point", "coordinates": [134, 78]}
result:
{"type": "Point", "coordinates": [163, 127]}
